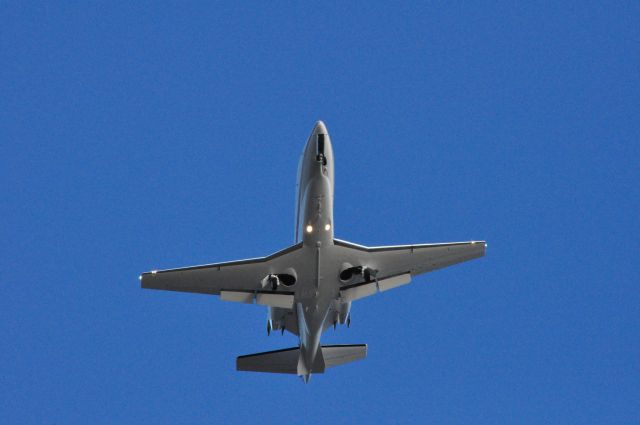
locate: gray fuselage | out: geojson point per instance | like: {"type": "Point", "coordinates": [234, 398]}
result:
{"type": "Point", "coordinates": [316, 305]}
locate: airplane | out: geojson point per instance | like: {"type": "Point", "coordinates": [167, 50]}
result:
{"type": "Point", "coordinates": [309, 286]}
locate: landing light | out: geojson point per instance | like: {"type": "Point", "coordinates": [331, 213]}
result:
{"type": "Point", "coordinates": [309, 228]}
{"type": "Point", "coordinates": [327, 227]}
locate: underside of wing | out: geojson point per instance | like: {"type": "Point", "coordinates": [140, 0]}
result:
{"type": "Point", "coordinates": [392, 266]}
{"type": "Point", "coordinates": [235, 279]}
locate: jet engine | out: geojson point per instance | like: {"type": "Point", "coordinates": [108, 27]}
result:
{"type": "Point", "coordinates": [288, 278]}
{"type": "Point", "coordinates": [349, 271]}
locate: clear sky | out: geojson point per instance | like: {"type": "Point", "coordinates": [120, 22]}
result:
{"type": "Point", "coordinates": [146, 135]}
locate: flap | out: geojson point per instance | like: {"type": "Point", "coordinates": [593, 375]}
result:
{"type": "Point", "coordinates": [361, 290]}
{"type": "Point", "coordinates": [271, 299]}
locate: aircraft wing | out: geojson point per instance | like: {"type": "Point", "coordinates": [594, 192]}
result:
{"type": "Point", "coordinates": [394, 266]}
{"type": "Point", "coordinates": [240, 281]}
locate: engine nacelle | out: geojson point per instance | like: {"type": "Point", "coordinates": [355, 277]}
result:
{"type": "Point", "coordinates": [349, 271]}
{"type": "Point", "coordinates": [287, 278]}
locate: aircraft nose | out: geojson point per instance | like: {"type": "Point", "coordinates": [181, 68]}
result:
{"type": "Point", "coordinates": [320, 128]}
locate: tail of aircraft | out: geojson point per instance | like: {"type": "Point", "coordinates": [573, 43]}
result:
{"type": "Point", "coordinates": [289, 360]}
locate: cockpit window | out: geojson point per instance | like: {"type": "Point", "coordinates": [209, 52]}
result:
{"type": "Point", "coordinates": [321, 144]}
{"type": "Point", "coordinates": [320, 156]}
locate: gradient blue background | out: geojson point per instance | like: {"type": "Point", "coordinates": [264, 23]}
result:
{"type": "Point", "coordinates": [139, 136]}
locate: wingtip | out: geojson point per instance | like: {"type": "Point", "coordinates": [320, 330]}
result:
{"type": "Point", "coordinates": [143, 278]}
{"type": "Point", "coordinates": [483, 243]}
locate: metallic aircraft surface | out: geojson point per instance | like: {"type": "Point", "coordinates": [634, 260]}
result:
{"type": "Point", "coordinates": [309, 286]}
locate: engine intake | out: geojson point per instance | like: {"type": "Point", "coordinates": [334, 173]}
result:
{"type": "Point", "coordinates": [368, 273]}
{"type": "Point", "coordinates": [288, 278]}
{"type": "Point", "coordinates": [348, 273]}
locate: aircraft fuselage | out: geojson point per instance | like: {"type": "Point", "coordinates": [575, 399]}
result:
{"type": "Point", "coordinates": [319, 288]}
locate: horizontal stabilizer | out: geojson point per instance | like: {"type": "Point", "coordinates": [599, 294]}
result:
{"type": "Point", "coordinates": [279, 361]}
{"type": "Point", "coordinates": [336, 355]}
{"type": "Point", "coordinates": [287, 360]}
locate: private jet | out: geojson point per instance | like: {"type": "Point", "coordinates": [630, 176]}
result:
{"type": "Point", "coordinates": [309, 286]}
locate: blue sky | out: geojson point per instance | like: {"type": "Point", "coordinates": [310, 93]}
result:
{"type": "Point", "coordinates": [141, 136]}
